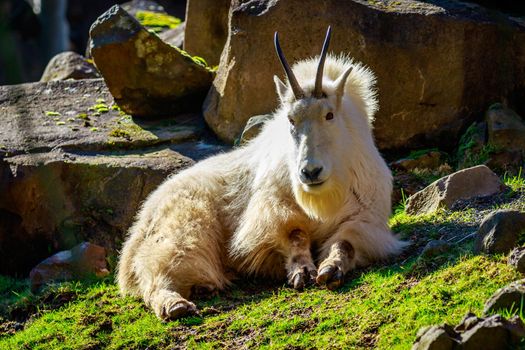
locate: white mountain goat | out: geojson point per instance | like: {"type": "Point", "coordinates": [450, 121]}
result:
{"type": "Point", "coordinates": [311, 182]}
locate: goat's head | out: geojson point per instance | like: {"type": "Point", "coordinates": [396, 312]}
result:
{"type": "Point", "coordinates": [317, 127]}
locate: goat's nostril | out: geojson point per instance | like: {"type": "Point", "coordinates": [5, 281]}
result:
{"type": "Point", "coordinates": [311, 175]}
{"type": "Point", "coordinates": [315, 173]}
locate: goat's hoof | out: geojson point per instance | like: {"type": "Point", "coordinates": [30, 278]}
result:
{"type": "Point", "coordinates": [181, 308]}
{"type": "Point", "coordinates": [302, 277]}
{"type": "Point", "coordinates": [330, 276]}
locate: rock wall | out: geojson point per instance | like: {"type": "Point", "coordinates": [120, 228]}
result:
{"type": "Point", "coordinates": [438, 63]}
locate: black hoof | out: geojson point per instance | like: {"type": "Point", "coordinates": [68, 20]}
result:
{"type": "Point", "coordinates": [330, 276]}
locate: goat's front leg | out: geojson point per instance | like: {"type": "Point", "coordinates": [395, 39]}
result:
{"type": "Point", "coordinates": [340, 260]}
{"type": "Point", "coordinates": [300, 267]}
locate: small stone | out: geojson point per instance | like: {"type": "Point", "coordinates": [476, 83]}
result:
{"type": "Point", "coordinates": [478, 181]}
{"type": "Point", "coordinates": [517, 259]}
{"type": "Point", "coordinates": [434, 248]}
{"type": "Point", "coordinates": [471, 144]}
{"type": "Point", "coordinates": [506, 129]}
{"type": "Point", "coordinates": [81, 261]}
{"type": "Point", "coordinates": [469, 321]}
{"type": "Point", "coordinates": [500, 232]}
{"type": "Point", "coordinates": [436, 338]}
{"type": "Point", "coordinates": [253, 127]}
{"type": "Point", "coordinates": [69, 65]}
{"type": "Point", "coordinates": [508, 297]}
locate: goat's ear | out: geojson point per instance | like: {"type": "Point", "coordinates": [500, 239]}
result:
{"type": "Point", "coordinates": [340, 84]}
{"type": "Point", "coordinates": [280, 87]}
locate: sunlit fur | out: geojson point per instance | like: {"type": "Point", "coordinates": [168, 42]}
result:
{"type": "Point", "coordinates": [232, 214]}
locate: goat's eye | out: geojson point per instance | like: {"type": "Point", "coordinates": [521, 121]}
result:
{"type": "Point", "coordinates": [291, 121]}
{"type": "Point", "coordinates": [329, 116]}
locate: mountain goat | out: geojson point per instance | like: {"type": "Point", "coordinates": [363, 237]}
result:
{"type": "Point", "coordinates": [311, 182]}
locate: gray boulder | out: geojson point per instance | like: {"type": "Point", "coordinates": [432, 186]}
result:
{"type": "Point", "coordinates": [500, 232]}
{"type": "Point", "coordinates": [478, 181]}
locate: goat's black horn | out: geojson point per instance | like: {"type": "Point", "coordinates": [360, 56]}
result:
{"type": "Point", "coordinates": [318, 90]}
{"type": "Point", "coordinates": [297, 90]}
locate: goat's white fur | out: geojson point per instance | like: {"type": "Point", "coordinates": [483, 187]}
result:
{"type": "Point", "coordinates": [235, 211]}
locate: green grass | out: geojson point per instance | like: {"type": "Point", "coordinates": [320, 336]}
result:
{"type": "Point", "coordinates": [515, 183]}
{"type": "Point", "coordinates": [381, 307]}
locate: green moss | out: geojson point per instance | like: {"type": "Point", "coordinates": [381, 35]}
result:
{"type": "Point", "coordinates": [99, 108]}
{"type": "Point", "coordinates": [473, 149]}
{"type": "Point", "coordinates": [421, 152]}
{"type": "Point", "coordinates": [481, 156]}
{"type": "Point", "coordinates": [83, 116]}
{"type": "Point", "coordinates": [60, 123]}
{"type": "Point", "coordinates": [382, 308]}
{"type": "Point", "coordinates": [120, 133]}
{"type": "Point", "coordinates": [52, 114]}
{"type": "Point", "coordinates": [157, 22]}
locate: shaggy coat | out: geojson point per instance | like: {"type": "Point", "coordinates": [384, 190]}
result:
{"type": "Point", "coordinates": [246, 211]}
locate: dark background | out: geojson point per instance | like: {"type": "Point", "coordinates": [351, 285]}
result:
{"type": "Point", "coordinates": [25, 41]}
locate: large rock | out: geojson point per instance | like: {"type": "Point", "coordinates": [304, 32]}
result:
{"type": "Point", "coordinates": [82, 261]}
{"type": "Point", "coordinates": [146, 76]}
{"type": "Point", "coordinates": [206, 28]}
{"type": "Point", "coordinates": [419, 104]}
{"type": "Point", "coordinates": [69, 65]}
{"type": "Point", "coordinates": [81, 115]}
{"type": "Point", "coordinates": [500, 232]}
{"type": "Point", "coordinates": [73, 168]}
{"type": "Point", "coordinates": [478, 181]}
{"type": "Point", "coordinates": [52, 201]}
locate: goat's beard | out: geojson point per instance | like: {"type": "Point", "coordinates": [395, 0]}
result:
{"type": "Point", "coordinates": [321, 204]}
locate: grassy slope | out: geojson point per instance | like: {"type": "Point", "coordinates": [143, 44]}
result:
{"type": "Point", "coordinates": [383, 306]}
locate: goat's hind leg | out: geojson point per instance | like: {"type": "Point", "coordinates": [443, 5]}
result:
{"type": "Point", "coordinates": [168, 304]}
{"type": "Point", "coordinates": [300, 267]}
